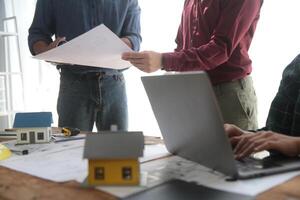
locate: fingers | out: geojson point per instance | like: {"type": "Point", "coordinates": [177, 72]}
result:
{"type": "Point", "coordinates": [232, 130]}
{"type": "Point", "coordinates": [140, 64]}
{"type": "Point", "coordinates": [147, 61]}
{"type": "Point", "coordinates": [246, 144]}
{"type": "Point", "coordinates": [56, 42]}
{"type": "Point", "coordinates": [267, 145]}
{"type": "Point", "coordinates": [240, 145]}
{"type": "Point", "coordinates": [136, 59]}
{"type": "Point", "coordinates": [133, 56]}
{"type": "Point", "coordinates": [251, 147]}
{"type": "Point", "coordinates": [252, 143]}
{"type": "Point", "coordinates": [59, 40]}
{"type": "Point", "coordinates": [234, 140]}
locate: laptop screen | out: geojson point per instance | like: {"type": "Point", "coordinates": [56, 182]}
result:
{"type": "Point", "coordinates": [188, 116]}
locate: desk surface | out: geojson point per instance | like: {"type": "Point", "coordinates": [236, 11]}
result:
{"type": "Point", "coordinates": [288, 190]}
{"type": "Point", "coordinates": [17, 185]}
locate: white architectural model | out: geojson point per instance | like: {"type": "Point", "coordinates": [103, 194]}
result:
{"type": "Point", "coordinates": [33, 128]}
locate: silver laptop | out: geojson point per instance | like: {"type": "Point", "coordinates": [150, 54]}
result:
{"type": "Point", "coordinates": [191, 124]}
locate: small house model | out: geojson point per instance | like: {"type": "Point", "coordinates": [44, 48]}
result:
{"type": "Point", "coordinates": [113, 157]}
{"type": "Point", "coordinates": [33, 128]}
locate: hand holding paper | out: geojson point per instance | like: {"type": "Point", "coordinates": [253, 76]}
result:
{"type": "Point", "coordinates": [98, 47]}
{"type": "Point", "coordinates": [41, 46]}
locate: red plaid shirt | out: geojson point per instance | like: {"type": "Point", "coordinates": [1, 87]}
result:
{"type": "Point", "coordinates": [215, 35]}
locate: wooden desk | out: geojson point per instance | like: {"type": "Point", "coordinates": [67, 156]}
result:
{"type": "Point", "coordinates": [17, 185]}
{"type": "Point", "coordinates": [289, 190]}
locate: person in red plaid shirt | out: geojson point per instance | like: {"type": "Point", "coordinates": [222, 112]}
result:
{"type": "Point", "coordinates": [214, 36]}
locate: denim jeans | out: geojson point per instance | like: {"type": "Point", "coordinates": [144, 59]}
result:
{"type": "Point", "coordinates": [93, 97]}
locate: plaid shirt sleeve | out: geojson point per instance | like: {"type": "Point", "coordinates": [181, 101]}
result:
{"type": "Point", "coordinates": [284, 113]}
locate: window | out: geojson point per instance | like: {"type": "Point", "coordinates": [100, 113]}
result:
{"type": "Point", "coordinates": [40, 135]}
{"type": "Point", "coordinates": [99, 173]}
{"type": "Point", "coordinates": [127, 173]}
{"type": "Point", "coordinates": [23, 136]}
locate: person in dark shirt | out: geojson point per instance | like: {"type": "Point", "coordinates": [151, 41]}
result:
{"type": "Point", "coordinates": [214, 36]}
{"type": "Point", "coordinates": [282, 130]}
{"type": "Point", "coordinates": [87, 95]}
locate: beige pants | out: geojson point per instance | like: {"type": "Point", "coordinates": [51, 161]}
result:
{"type": "Point", "coordinates": [238, 103]}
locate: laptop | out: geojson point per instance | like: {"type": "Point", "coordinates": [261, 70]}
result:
{"type": "Point", "coordinates": [178, 189]}
{"type": "Point", "coordinates": [191, 124]}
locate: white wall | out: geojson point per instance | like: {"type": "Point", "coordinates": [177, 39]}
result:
{"type": "Point", "coordinates": [160, 20]}
{"type": "Point", "coordinates": [275, 44]}
{"type": "Point", "coordinates": [41, 79]}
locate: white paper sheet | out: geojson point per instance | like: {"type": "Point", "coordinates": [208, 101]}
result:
{"type": "Point", "coordinates": [153, 152]}
{"type": "Point", "coordinates": [99, 47]}
{"type": "Point", "coordinates": [61, 161]}
{"type": "Point", "coordinates": [175, 167]}
{"type": "Point", "coordinates": [55, 161]}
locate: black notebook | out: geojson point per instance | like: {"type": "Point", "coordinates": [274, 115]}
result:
{"type": "Point", "coordinates": [182, 190]}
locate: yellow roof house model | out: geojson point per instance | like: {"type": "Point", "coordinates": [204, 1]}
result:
{"type": "Point", "coordinates": [113, 157]}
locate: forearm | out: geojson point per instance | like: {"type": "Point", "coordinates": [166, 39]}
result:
{"type": "Point", "coordinates": [42, 28]}
{"type": "Point", "coordinates": [200, 58]}
{"type": "Point", "coordinates": [131, 28]}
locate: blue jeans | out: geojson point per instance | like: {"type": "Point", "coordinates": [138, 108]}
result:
{"type": "Point", "coordinates": [93, 97]}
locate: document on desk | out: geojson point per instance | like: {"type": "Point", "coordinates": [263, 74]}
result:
{"type": "Point", "coordinates": [99, 47]}
{"type": "Point", "coordinates": [179, 168]}
{"type": "Point", "coordinates": [54, 161]}
{"type": "Point", "coordinates": [61, 161]}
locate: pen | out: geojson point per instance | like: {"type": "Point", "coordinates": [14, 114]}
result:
{"type": "Point", "coordinates": [69, 139]}
{"type": "Point", "coordinates": [21, 152]}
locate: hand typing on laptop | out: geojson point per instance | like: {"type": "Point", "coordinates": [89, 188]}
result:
{"type": "Point", "coordinates": [246, 143]}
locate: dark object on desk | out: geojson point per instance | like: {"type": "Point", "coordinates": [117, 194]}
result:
{"type": "Point", "coordinates": [178, 189]}
{"type": "Point", "coordinates": [8, 134]}
{"type": "Point", "coordinates": [56, 140]}
{"type": "Point", "coordinates": [68, 131]}
{"type": "Point", "coordinates": [20, 152]}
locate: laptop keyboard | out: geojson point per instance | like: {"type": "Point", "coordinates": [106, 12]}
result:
{"type": "Point", "coordinates": [250, 164]}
